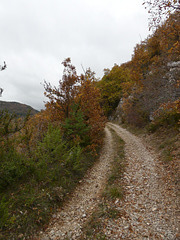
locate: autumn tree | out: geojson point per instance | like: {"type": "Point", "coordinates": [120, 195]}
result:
{"type": "Point", "coordinates": [62, 97]}
{"type": "Point", "coordinates": [160, 10]}
{"type": "Point", "coordinates": [152, 76]}
{"type": "Point", "coordinates": [88, 99]}
{"type": "Point", "coordinates": [111, 87]}
{"type": "Point", "coordinates": [74, 104]}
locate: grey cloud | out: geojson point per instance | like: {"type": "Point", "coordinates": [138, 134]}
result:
{"type": "Point", "coordinates": [37, 35]}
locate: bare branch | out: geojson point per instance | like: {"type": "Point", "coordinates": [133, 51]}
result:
{"type": "Point", "coordinates": [3, 67]}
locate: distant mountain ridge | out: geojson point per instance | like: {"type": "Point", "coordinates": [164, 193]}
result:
{"type": "Point", "coordinates": [18, 108]}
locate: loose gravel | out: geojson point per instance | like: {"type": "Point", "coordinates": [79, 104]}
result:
{"type": "Point", "coordinates": [150, 205]}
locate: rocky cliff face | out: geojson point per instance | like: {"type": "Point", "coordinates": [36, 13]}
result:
{"type": "Point", "coordinates": [158, 88]}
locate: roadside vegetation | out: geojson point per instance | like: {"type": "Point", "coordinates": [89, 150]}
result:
{"type": "Point", "coordinates": [43, 157]}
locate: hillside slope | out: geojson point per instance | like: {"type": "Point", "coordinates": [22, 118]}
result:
{"type": "Point", "coordinates": [18, 108]}
{"type": "Point", "coordinates": [146, 88]}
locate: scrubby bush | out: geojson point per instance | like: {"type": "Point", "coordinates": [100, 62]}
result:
{"type": "Point", "coordinates": [13, 166]}
{"type": "Point", "coordinates": [33, 185]}
{"type": "Point", "coordinates": [75, 129]}
{"type": "Point", "coordinates": [168, 115]}
{"type": "Point", "coordinates": [44, 157]}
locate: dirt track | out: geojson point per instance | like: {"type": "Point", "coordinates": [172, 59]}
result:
{"type": "Point", "coordinates": [151, 208]}
{"type": "Point", "coordinates": [150, 204]}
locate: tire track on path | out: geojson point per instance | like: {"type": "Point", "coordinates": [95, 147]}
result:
{"type": "Point", "coordinates": [150, 205]}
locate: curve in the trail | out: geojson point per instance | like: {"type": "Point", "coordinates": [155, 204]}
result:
{"type": "Point", "coordinates": [69, 221]}
{"type": "Point", "coordinates": [150, 204]}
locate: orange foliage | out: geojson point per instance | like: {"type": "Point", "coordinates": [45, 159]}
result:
{"type": "Point", "coordinates": [34, 129]}
{"type": "Point", "coordinates": [160, 10]}
{"type": "Point", "coordinates": [80, 90]}
{"type": "Point", "coordinates": [62, 97]}
{"type": "Point", "coordinates": [88, 98]}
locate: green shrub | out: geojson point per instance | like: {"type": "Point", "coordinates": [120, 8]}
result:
{"type": "Point", "coordinates": [51, 148]}
{"type": "Point", "coordinates": [75, 128]}
{"type": "Point", "coordinates": [166, 119]}
{"type": "Point", "coordinates": [31, 188]}
{"type": "Point", "coordinates": [13, 166]}
{"type": "Point", "coordinates": [3, 212]}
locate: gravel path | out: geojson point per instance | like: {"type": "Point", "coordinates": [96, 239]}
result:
{"type": "Point", "coordinates": [68, 221]}
{"type": "Point", "coordinates": [150, 205]}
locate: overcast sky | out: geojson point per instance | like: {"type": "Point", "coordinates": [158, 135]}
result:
{"type": "Point", "coordinates": [37, 35]}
